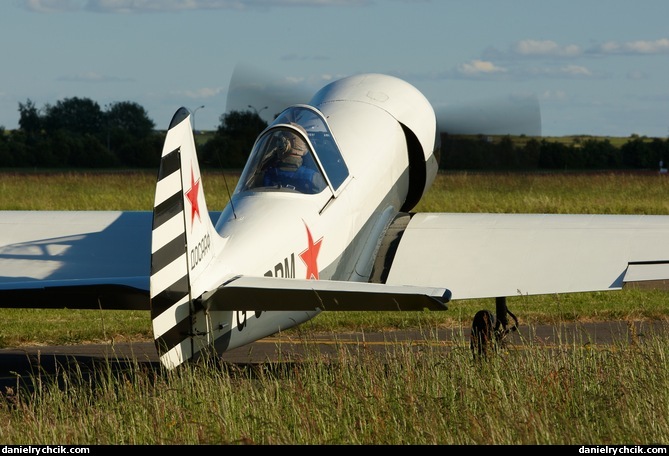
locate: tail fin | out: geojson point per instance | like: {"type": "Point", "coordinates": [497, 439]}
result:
{"type": "Point", "coordinates": [182, 245]}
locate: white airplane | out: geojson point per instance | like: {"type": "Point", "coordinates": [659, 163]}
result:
{"type": "Point", "coordinates": [343, 237]}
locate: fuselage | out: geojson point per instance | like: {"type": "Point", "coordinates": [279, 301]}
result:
{"type": "Point", "coordinates": [333, 234]}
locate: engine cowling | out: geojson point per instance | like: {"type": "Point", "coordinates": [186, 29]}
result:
{"type": "Point", "coordinates": [409, 107]}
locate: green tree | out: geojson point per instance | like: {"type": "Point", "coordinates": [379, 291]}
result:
{"type": "Point", "coordinates": [635, 152]}
{"type": "Point", "coordinates": [466, 152]}
{"type": "Point", "coordinates": [553, 155]}
{"type": "Point", "coordinates": [16, 151]}
{"type": "Point", "coordinates": [506, 153]}
{"type": "Point", "coordinates": [75, 115]}
{"type": "Point", "coordinates": [6, 158]}
{"type": "Point", "coordinates": [529, 155]}
{"type": "Point", "coordinates": [76, 132]}
{"type": "Point", "coordinates": [30, 119]}
{"type": "Point", "coordinates": [600, 154]}
{"type": "Point", "coordinates": [231, 144]}
{"type": "Point", "coordinates": [129, 117]}
{"type": "Point", "coordinates": [659, 151]}
{"type": "Point", "coordinates": [127, 134]}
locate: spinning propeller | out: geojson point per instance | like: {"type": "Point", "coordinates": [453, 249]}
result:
{"type": "Point", "coordinates": [267, 95]}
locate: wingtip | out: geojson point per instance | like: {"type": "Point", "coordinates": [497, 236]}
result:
{"type": "Point", "coordinates": [446, 297]}
{"type": "Point", "coordinates": [443, 300]}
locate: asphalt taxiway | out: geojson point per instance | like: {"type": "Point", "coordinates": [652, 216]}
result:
{"type": "Point", "coordinates": [22, 365]}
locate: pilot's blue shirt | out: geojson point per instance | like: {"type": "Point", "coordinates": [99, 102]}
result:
{"type": "Point", "coordinates": [303, 179]}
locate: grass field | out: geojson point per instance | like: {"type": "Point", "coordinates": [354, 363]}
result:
{"type": "Point", "coordinates": [609, 193]}
{"type": "Point", "coordinates": [573, 394]}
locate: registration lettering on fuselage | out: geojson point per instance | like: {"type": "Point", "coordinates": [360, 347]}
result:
{"type": "Point", "coordinates": [200, 250]}
{"type": "Point", "coordinates": [284, 269]}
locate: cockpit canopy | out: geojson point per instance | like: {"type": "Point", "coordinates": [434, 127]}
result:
{"type": "Point", "coordinates": [296, 152]}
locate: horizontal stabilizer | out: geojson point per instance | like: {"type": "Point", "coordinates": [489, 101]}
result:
{"type": "Point", "coordinates": [272, 293]}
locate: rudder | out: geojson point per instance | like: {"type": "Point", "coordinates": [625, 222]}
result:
{"type": "Point", "coordinates": [181, 246]}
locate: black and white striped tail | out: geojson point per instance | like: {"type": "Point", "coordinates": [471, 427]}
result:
{"type": "Point", "coordinates": [175, 227]}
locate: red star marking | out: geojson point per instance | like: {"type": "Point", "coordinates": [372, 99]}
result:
{"type": "Point", "coordinates": [192, 195]}
{"type": "Point", "coordinates": [310, 255]}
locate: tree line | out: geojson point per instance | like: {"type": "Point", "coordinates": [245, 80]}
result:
{"type": "Point", "coordinates": [520, 153]}
{"type": "Point", "coordinates": [78, 133]}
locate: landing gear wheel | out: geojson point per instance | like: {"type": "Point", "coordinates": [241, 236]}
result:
{"type": "Point", "coordinates": [489, 331]}
{"type": "Point", "coordinates": [483, 333]}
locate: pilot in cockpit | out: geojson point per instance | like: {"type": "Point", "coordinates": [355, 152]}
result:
{"type": "Point", "coordinates": [289, 169]}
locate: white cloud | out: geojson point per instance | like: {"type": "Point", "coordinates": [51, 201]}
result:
{"type": "Point", "coordinates": [637, 75]}
{"type": "Point", "coordinates": [201, 93]}
{"type": "Point", "coordinates": [545, 48]}
{"type": "Point", "coordinates": [553, 95]}
{"type": "Point", "coordinates": [157, 6]}
{"type": "Point", "coordinates": [561, 72]}
{"type": "Point", "coordinates": [148, 6]}
{"type": "Point", "coordinates": [660, 46]}
{"type": "Point", "coordinates": [575, 70]}
{"type": "Point", "coordinates": [54, 6]}
{"type": "Point", "coordinates": [92, 76]}
{"type": "Point", "coordinates": [479, 67]}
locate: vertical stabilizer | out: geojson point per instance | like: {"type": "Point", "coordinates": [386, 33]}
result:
{"type": "Point", "coordinates": [181, 247]}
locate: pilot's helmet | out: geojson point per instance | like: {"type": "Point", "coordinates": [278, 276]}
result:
{"type": "Point", "coordinates": [299, 147]}
{"type": "Point", "coordinates": [284, 145]}
{"type": "Point", "coordinates": [293, 149]}
{"type": "Point", "coordinates": [290, 157]}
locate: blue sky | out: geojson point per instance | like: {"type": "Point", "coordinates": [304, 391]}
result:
{"type": "Point", "coordinates": [597, 67]}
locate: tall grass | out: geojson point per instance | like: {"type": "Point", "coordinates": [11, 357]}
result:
{"type": "Point", "coordinates": [569, 394]}
{"type": "Point", "coordinates": [602, 193]}
{"type": "Point", "coordinates": [96, 190]}
{"type": "Point", "coordinates": [557, 193]}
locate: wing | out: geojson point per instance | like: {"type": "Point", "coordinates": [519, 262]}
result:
{"type": "Point", "coordinates": [75, 259]}
{"type": "Point", "coordinates": [498, 255]}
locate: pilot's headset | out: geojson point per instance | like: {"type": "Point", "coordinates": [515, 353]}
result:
{"type": "Point", "coordinates": [292, 151]}
{"type": "Point", "coordinates": [299, 146]}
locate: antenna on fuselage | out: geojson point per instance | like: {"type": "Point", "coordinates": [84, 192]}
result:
{"type": "Point", "coordinates": [232, 204]}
